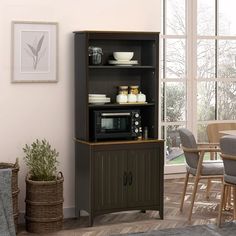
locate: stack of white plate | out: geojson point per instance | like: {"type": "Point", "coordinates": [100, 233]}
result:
{"type": "Point", "coordinates": [123, 63]}
{"type": "Point", "coordinates": [98, 98]}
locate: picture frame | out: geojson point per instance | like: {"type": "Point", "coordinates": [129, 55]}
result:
{"type": "Point", "coordinates": [34, 52]}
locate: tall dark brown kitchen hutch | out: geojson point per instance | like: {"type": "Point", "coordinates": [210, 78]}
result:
{"type": "Point", "coordinates": [117, 175]}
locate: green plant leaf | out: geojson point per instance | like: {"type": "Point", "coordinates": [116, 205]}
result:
{"type": "Point", "coordinates": [41, 159]}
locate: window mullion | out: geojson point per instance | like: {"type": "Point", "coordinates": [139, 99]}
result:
{"type": "Point", "coordinates": [191, 64]}
{"type": "Point", "coordinates": [216, 55]}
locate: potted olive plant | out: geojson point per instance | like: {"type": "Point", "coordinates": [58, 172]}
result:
{"type": "Point", "coordinates": [44, 188]}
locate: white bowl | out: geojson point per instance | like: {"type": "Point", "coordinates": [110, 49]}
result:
{"type": "Point", "coordinates": [123, 56]}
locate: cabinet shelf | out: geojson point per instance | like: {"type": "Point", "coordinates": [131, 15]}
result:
{"type": "Point", "coordinates": [118, 142]}
{"type": "Point", "coordinates": [121, 67]}
{"type": "Point", "coordinates": [116, 105]}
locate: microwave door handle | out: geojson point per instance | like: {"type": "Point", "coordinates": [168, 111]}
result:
{"type": "Point", "coordinates": [116, 114]}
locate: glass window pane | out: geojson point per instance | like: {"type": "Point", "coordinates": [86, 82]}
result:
{"type": "Point", "coordinates": [175, 58]}
{"type": "Point", "coordinates": [174, 154]}
{"type": "Point", "coordinates": [227, 59]}
{"type": "Point", "coordinates": [206, 101]}
{"type": "Point", "coordinates": [175, 17]}
{"type": "Point", "coordinates": [162, 58]}
{"type": "Point", "coordinates": [227, 22]}
{"type": "Point", "coordinates": [206, 17]}
{"type": "Point", "coordinates": [226, 101]}
{"type": "Point", "coordinates": [175, 101]}
{"type": "Point", "coordinates": [206, 58]}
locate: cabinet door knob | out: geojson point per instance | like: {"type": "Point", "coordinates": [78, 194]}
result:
{"type": "Point", "coordinates": [125, 179]}
{"type": "Point", "coordinates": [130, 177]}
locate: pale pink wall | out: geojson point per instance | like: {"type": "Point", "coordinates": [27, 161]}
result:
{"type": "Point", "coordinates": [29, 111]}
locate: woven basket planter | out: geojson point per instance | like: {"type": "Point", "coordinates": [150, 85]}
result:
{"type": "Point", "coordinates": [14, 186]}
{"type": "Point", "coordinates": [44, 205]}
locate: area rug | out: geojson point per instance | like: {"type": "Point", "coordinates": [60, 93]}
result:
{"type": "Point", "coordinates": [228, 229]}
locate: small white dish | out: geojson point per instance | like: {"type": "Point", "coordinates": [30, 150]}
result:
{"type": "Point", "coordinates": [93, 95]}
{"type": "Point", "coordinates": [99, 101]}
{"type": "Point", "coordinates": [114, 62]}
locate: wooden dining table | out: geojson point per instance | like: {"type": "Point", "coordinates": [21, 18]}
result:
{"type": "Point", "coordinates": [228, 132]}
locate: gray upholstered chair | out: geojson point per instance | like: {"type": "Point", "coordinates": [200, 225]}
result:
{"type": "Point", "coordinates": [194, 156]}
{"type": "Point", "coordinates": [228, 155]}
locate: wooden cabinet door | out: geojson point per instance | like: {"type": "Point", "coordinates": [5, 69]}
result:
{"type": "Point", "coordinates": [109, 179]}
{"type": "Point", "coordinates": [144, 177]}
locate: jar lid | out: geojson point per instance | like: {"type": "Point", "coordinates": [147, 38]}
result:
{"type": "Point", "coordinates": [123, 87]}
{"type": "Point", "coordinates": [93, 49]}
{"type": "Point", "coordinates": [134, 86]}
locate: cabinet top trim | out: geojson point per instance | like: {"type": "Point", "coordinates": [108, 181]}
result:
{"type": "Point", "coordinates": [119, 142]}
{"type": "Point", "coordinates": [118, 35]}
{"type": "Point", "coordinates": [116, 32]}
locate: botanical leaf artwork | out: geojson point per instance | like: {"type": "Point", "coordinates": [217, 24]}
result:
{"type": "Point", "coordinates": [35, 51]}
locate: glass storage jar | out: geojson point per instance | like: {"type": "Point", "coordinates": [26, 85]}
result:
{"type": "Point", "coordinates": [95, 55]}
{"type": "Point", "coordinates": [134, 89]}
{"type": "Point", "coordinates": [123, 90]}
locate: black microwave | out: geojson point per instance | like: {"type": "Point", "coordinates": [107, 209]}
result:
{"type": "Point", "coordinates": [116, 124]}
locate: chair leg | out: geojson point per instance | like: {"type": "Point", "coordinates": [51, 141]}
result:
{"type": "Point", "coordinates": [234, 196]}
{"type": "Point", "coordinates": [208, 189]}
{"type": "Point", "coordinates": [229, 197]}
{"type": "Point", "coordinates": [184, 191]}
{"type": "Point", "coordinates": [225, 197]}
{"type": "Point", "coordinates": [222, 202]}
{"type": "Point", "coordinates": [193, 197]}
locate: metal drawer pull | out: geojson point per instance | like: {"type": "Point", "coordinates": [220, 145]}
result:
{"type": "Point", "coordinates": [125, 180]}
{"type": "Point", "coordinates": [116, 114]}
{"type": "Point", "coordinates": [130, 178]}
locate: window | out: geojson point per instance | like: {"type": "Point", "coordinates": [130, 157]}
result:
{"type": "Point", "coordinates": [216, 63]}
{"type": "Point", "coordinates": [198, 72]}
{"type": "Point", "coordinates": [173, 77]}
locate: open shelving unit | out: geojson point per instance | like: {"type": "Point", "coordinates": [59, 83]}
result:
{"type": "Point", "coordinates": [105, 78]}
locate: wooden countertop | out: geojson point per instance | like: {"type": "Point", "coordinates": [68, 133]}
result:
{"type": "Point", "coordinates": [120, 141]}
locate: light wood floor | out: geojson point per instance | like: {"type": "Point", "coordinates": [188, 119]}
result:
{"type": "Point", "coordinates": [205, 212]}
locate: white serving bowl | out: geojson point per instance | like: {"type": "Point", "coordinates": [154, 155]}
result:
{"type": "Point", "coordinates": [123, 56]}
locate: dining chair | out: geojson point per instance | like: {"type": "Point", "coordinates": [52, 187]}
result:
{"type": "Point", "coordinates": [228, 155]}
{"type": "Point", "coordinates": [196, 165]}
{"type": "Point", "coordinates": [214, 135]}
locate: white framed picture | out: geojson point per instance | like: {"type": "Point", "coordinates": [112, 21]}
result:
{"type": "Point", "coordinates": [34, 51]}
